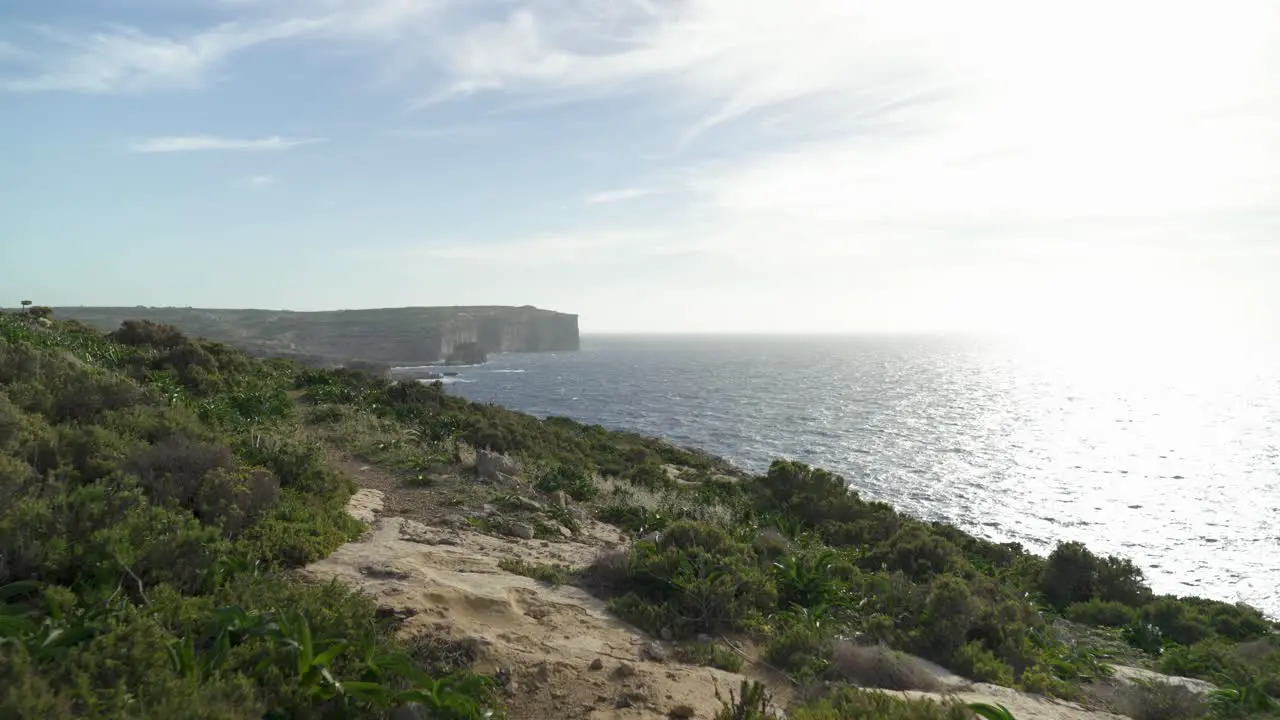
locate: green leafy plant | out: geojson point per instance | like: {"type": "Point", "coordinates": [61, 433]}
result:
{"type": "Point", "coordinates": [753, 702]}
{"type": "Point", "coordinates": [991, 711]}
{"type": "Point", "coordinates": [550, 574]}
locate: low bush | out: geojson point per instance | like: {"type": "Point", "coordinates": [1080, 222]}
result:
{"type": "Point", "coordinates": [801, 647]}
{"type": "Point", "coordinates": [576, 481]}
{"type": "Point", "coordinates": [651, 475]}
{"type": "Point", "coordinates": [608, 574]}
{"type": "Point", "coordinates": [877, 666]}
{"type": "Point", "coordinates": [1158, 701]}
{"type": "Point", "coordinates": [976, 662]}
{"type": "Point", "coordinates": [710, 654]}
{"type": "Point", "coordinates": [1072, 574]}
{"type": "Point", "coordinates": [845, 703]}
{"type": "Point", "coordinates": [1101, 613]}
{"type": "Point", "coordinates": [1211, 660]}
{"type": "Point", "coordinates": [550, 574]}
{"type": "Point", "coordinates": [696, 578]}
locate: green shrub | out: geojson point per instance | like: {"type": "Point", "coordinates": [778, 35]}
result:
{"type": "Point", "coordinates": [650, 475]}
{"type": "Point", "coordinates": [635, 518]}
{"type": "Point", "coordinates": [1209, 660]}
{"type": "Point", "coordinates": [1177, 621]}
{"type": "Point", "coordinates": [1144, 636]}
{"type": "Point", "coordinates": [1100, 613]}
{"type": "Point", "coordinates": [1073, 574]}
{"type": "Point", "coordinates": [576, 481]}
{"type": "Point", "coordinates": [948, 616]}
{"type": "Point", "coordinates": [917, 552]}
{"type": "Point", "coordinates": [551, 574]}
{"type": "Point", "coordinates": [978, 663]}
{"type": "Point", "coordinates": [694, 579]}
{"type": "Point", "coordinates": [800, 647]}
{"type": "Point", "coordinates": [710, 654]}
{"type": "Point", "coordinates": [752, 702]}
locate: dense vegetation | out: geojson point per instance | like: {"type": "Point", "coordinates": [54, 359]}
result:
{"type": "Point", "coordinates": [155, 490]}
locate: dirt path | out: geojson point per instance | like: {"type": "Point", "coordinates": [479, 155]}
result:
{"type": "Point", "coordinates": [565, 654]}
{"type": "Point", "coordinates": [562, 653]}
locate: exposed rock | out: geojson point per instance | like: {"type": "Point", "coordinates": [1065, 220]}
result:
{"type": "Point", "coordinates": [596, 664]}
{"type": "Point", "coordinates": [653, 652]}
{"type": "Point", "coordinates": [365, 504]}
{"type": "Point", "coordinates": [624, 670]}
{"type": "Point", "coordinates": [1138, 675]}
{"type": "Point", "coordinates": [416, 532]}
{"type": "Point", "coordinates": [560, 499]}
{"type": "Point", "coordinates": [652, 537]}
{"type": "Point", "coordinates": [630, 699]}
{"type": "Point", "coordinates": [400, 615]}
{"type": "Point", "coordinates": [383, 571]}
{"type": "Point", "coordinates": [666, 634]}
{"type": "Point", "coordinates": [525, 503]}
{"type": "Point", "coordinates": [565, 532]}
{"type": "Point", "coordinates": [524, 531]}
{"type": "Point", "coordinates": [492, 466]}
{"type": "Point", "coordinates": [681, 712]}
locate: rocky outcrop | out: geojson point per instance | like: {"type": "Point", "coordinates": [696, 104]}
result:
{"type": "Point", "coordinates": [495, 467]}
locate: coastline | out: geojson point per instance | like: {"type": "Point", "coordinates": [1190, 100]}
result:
{"type": "Point", "coordinates": [1187, 494]}
{"type": "Point", "coordinates": [203, 480]}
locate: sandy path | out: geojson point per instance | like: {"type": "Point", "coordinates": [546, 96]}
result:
{"type": "Point", "coordinates": [567, 656]}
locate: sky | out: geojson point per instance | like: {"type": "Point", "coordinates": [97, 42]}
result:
{"type": "Point", "coordinates": [652, 165]}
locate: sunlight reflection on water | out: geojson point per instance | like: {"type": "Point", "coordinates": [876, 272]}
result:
{"type": "Point", "coordinates": [1166, 454]}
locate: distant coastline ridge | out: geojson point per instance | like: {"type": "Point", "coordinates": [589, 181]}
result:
{"type": "Point", "coordinates": [374, 338]}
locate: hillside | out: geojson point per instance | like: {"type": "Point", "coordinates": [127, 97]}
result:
{"type": "Point", "coordinates": [389, 336]}
{"type": "Point", "coordinates": [174, 513]}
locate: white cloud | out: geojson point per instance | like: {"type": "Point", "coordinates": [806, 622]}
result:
{"type": "Point", "coordinates": [261, 181]}
{"type": "Point", "coordinates": [193, 143]}
{"type": "Point", "coordinates": [612, 196]}
{"type": "Point", "coordinates": [125, 59]}
{"type": "Point", "coordinates": [998, 135]}
{"type": "Point", "coordinates": [920, 123]}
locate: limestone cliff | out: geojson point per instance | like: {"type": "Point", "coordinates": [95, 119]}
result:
{"type": "Point", "coordinates": [393, 336]}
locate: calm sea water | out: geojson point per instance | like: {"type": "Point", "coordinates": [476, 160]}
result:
{"type": "Point", "coordinates": [1168, 455]}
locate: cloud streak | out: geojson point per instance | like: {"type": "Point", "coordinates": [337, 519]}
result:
{"type": "Point", "coordinates": [201, 143]}
{"type": "Point", "coordinates": [609, 197]}
{"type": "Point", "coordinates": [121, 59]}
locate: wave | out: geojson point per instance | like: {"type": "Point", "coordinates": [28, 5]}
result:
{"type": "Point", "coordinates": [513, 370]}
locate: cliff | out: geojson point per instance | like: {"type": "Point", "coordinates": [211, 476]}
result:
{"type": "Point", "coordinates": [391, 336]}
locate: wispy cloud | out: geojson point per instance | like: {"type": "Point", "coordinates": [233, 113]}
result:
{"type": "Point", "coordinates": [613, 196]}
{"type": "Point", "coordinates": [126, 59]}
{"type": "Point", "coordinates": [921, 124]}
{"type": "Point", "coordinates": [194, 143]}
{"type": "Point", "coordinates": [260, 181]}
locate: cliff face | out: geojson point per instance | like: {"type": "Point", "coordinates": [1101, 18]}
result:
{"type": "Point", "coordinates": [396, 336]}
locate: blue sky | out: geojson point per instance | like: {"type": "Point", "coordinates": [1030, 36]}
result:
{"type": "Point", "coordinates": [654, 165]}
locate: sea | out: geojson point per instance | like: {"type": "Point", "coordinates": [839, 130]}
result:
{"type": "Point", "coordinates": [1168, 454]}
